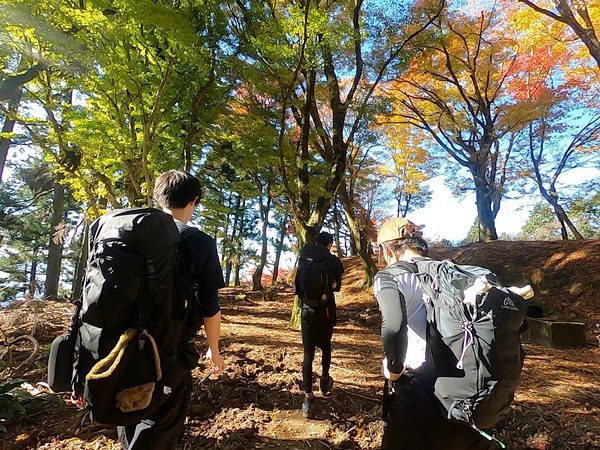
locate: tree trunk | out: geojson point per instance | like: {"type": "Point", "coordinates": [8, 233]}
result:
{"type": "Point", "coordinates": [32, 276]}
{"type": "Point", "coordinates": [257, 275]}
{"type": "Point", "coordinates": [484, 202]}
{"type": "Point", "coordinates": [81, 264]}
{"type": "Point", "coordinates": [487, 227]}
{"type": "Point", "coordinates": [236, 279]}
{"type": "Point", "coordinates": [279, 248]}
{"type": "Point", "coordinates": [14, 83]}
{"type": "Point", "coordinates": [55, 247]}
{"type": "Point", "coordinates": [359, 239]}
{"type": "Point", "coordinates": [296, 317]}
{"type": "Point", "coordinates": [228, 267]}
{"type": "Point", "coordinates": [561, 215]}
{"type": "Point", "coordinates": [336, 224]}
{"type": "Point", "coordinates": [7, 129]}
{"type": "Point", "coordinates": [241, 225]}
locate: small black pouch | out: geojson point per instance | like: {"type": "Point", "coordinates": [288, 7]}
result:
{"type": "Point", "coordinates": [60, 362]}
{"type": "Point", "coordinates": [125, 386]}
{"type": "Point", "coordinates": [62, 357]}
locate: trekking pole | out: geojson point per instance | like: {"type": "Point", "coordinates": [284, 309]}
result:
{"type": "Point", "coordinates": [206, 377]}
{"type": "Point", "coordinates": [489, 437]}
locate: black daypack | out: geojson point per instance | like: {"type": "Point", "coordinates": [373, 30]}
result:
{"type": "Point", "coordinates": [132, 315]}
{"type": "Point", "coordinates": [312, 283]}
{"type": "Point", "coordinates": [475, 350]}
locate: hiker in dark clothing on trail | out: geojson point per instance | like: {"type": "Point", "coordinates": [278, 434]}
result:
{"type": "Point", "coordinates": [319, 275]}
{"type": "Point", "coordinates": [200, 276]}
{"type": "Point", "coordinates": [414, 421]}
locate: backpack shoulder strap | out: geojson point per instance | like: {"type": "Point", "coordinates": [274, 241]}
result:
{"type": "Point", "coordinates": [428, 271]}
{"type": "Point", "coordinates": [185, 230]}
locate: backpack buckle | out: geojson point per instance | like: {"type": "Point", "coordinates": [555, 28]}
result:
{"type": "Point", "coordinates": [151, 269]}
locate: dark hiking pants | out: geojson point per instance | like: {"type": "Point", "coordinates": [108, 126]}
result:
{"type": "Point", "coordinates": [414, 423]}
{"type": "Point", "coordinates": [317, 330]}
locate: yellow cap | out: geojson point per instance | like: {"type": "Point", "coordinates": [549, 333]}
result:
{"type": "Point", "coordinates": [392, 229]}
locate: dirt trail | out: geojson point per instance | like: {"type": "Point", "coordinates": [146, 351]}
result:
{"type": "Point", "coordinates": [256, 403]}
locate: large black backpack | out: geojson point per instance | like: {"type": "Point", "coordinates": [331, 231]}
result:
{"type": "Point", "coordinates": [128, 327]}
{"type": "Point", "coordinates": [312, 282]}
{"type": "Point", "coordinates": [475, 350]}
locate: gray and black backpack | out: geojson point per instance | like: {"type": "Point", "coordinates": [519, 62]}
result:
{"type": "Point", "coordinates": [474, 349]}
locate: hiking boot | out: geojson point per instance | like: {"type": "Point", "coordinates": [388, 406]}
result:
{"type": "Point", "coordinates": [326, 384]}
{"type": "Point", "coordinates": [308, 408]}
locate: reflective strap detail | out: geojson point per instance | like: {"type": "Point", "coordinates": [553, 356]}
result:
{"type": "Point", "coordinates": [121, 432]}
{"type": "Point", "coordinates": [467, 341]}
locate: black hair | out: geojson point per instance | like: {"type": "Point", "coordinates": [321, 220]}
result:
{"type": "Point", "coordinates": [413, 242]}
{"type": "Point", "coordinates": [176, 189]}
{"type": "Point", "coordinates": [324, 239]}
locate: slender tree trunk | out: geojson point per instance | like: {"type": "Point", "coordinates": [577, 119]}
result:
{"type": "Point", "coordinates": [225, 242]}
{"type": "Point", "coordinates": [279, 249]}
{"type": "Point", "coordinates": [55, 247]}
{"type": "Point", "coordinates": [257, 275]}
{"type": "Point", "coordinates": [228, 267]}
{"type": "Point", "coordinates": [237, 280]}
{"type": "Point", "coordinates": [32, 276]}
{"type": "Point", "coordinates": [359, 239]}
{"type": "Point", "coordinates": [7, 129]}
{"type": "Point", "coordinates": [336, 223]}
{"type": "Point", "coordinates": [561, 216]}
{"type": "Point", "coordinates": [241, 220]}
{"type": "Point", "coordinates": [81, 264]}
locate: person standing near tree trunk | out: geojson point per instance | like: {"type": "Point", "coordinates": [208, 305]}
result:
{"type": "Point", "coordinates": [319, 275]}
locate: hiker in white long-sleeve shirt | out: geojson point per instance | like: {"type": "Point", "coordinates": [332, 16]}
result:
{"type": "Point", "coordinates": [414, 421]}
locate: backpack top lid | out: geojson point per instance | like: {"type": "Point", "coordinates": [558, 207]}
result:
{"type": "Point", "coordinates": [148, 230]}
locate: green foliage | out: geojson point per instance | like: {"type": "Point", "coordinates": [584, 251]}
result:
{"type": "Point", "coordinates": [16, 402]}
{"type": "Point", "coordinates": [273, 105]}
{"type": "Point", "coordinates": [442, 243]}
{"type": "Point", "coordinates": [25, 220]}
{"type": "Point", "coordinates": [473, 234]}
{"type": "Point", "coordinates": [585, 211]}
{"type": "Point", "coordinates": [541, 224]}
{"type": "Point", "coordinates": [11, 401]}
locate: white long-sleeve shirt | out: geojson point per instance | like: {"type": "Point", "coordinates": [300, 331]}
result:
{"type": "Point", "coordinates": [404, 317]}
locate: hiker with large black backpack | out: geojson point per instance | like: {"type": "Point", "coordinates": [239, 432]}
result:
{"type": "Point", "coordinates": [452, 350]}
{"type": "Point", "coordinates": [199, 275]}
{"type": "Point", "coordinates": [150, 284]}
{"type": "Point", "coordinates": [318, 276]}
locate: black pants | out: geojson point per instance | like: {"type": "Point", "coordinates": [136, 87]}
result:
{"type": "Point", "coordinates": [317, 330]}
{"type": "Point", "coordinates": [414, 423]}
{"type": "Point", "coordinates": [162, 429]}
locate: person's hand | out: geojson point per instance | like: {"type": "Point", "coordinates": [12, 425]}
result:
{"type": "Point", "coordinates": [392, 376]}
{"type": "Point", "coordinates": [216, 360]}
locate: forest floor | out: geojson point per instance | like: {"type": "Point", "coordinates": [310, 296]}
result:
{"type": "Point", "coordinates": [255, 403]}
